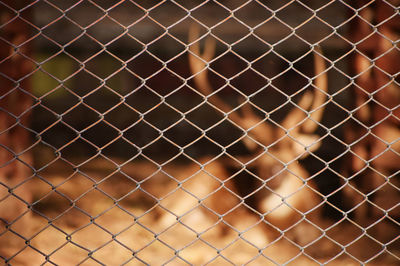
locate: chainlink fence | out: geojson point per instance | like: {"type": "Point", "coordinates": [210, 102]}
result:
{"type": "Point", "coordinates": [199, 132]}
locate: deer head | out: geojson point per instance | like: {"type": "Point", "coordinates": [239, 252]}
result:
{"type": "Point", "coordinates": [277, 149]}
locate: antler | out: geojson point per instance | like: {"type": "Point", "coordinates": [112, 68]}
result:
{"type": "Point", "coordinates": [317, 100]}
{"type": "Point", "coordinates": [313, 103]}
{"type": "Point", "coordinates": [257, 127]}
{"type": "Point", "coordinates": [253, 124]}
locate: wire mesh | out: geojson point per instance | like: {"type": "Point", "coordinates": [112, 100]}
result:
{"type": "Point", "coordinates": [199, 132]}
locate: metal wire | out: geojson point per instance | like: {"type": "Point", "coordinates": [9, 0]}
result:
{"type": "Point", "coordinates": [197, 132]}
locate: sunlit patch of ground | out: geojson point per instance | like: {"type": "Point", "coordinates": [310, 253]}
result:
{"type": "Point", "coordinates": [111, 221]}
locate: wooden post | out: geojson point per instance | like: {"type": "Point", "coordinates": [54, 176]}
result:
{"type": "Point", "coordinates": [15, 105]}
{"type": "Point", "coordinates": [375, 90]}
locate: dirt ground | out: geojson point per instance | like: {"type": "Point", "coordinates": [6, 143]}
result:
{"type": "Point", "coordinates": [76, 221]}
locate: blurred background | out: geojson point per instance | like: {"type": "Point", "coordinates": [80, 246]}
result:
{"type": "Point", "coordinates": [123, 63]}
{"type": "Point", "coordinates": [115, 110]}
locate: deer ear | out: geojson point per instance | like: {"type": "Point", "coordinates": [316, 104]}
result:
{"type": "Point", "coordinates": [306, 140]}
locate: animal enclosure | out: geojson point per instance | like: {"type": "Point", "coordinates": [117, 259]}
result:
{"type": "Point", "coordinates": [199, 132]}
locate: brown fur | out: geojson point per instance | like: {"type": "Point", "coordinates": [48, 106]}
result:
{"type": "Point", "coordinates": [293, 194]}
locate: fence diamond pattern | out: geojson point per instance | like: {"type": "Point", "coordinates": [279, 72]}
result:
{"type": "Point", "coordinates": [199, 132]}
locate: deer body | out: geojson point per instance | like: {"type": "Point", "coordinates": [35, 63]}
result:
{"type": "Point", "coordinates": [292, 192]}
